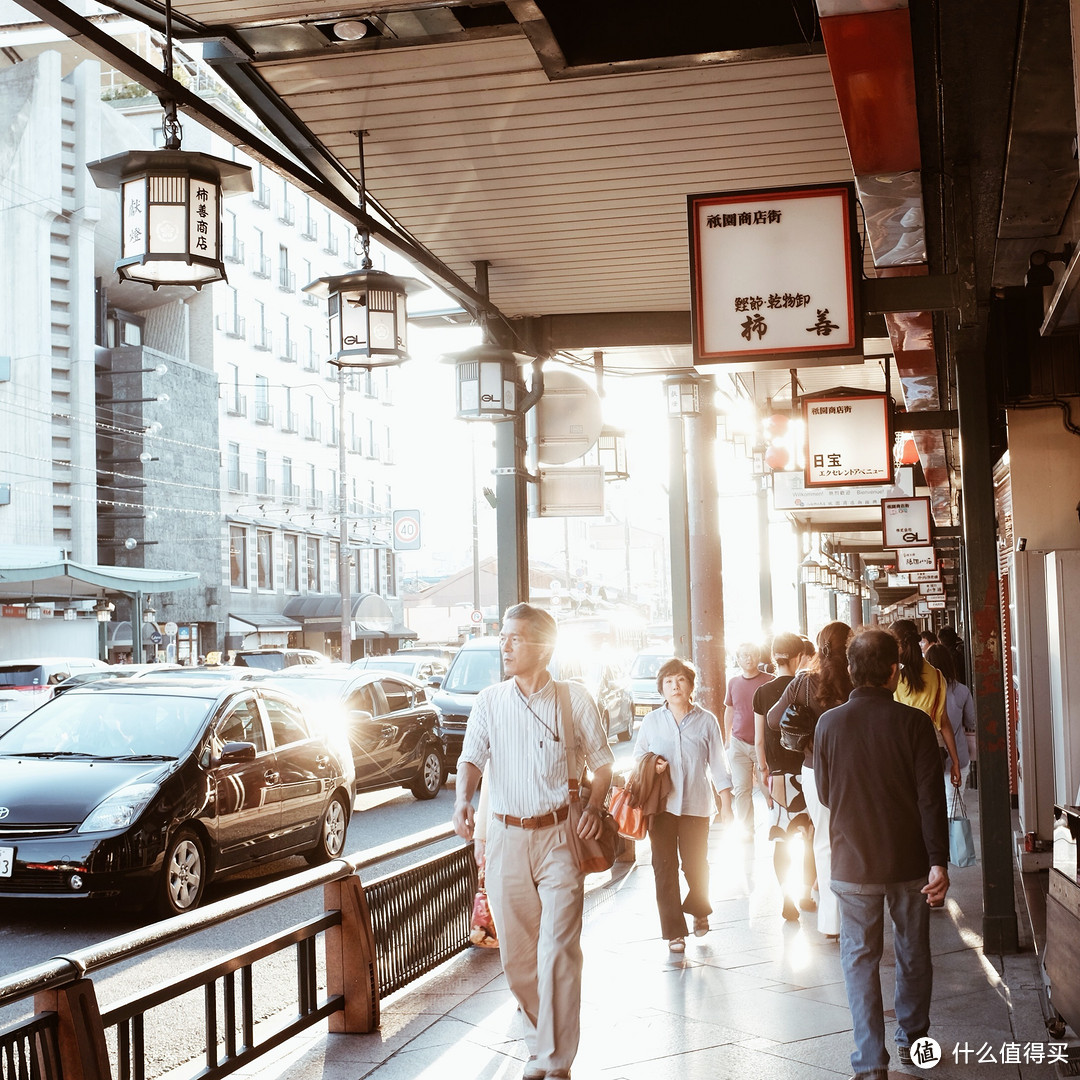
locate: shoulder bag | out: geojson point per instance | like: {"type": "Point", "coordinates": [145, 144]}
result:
{"type": "Point", "coordinates": [629, 819]}
{"type": "Point", "coordinates": [596, 854]}
{"type": "Point", "coordinates": [799, 721]}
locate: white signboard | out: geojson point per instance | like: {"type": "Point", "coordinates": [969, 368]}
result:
{"type": "Point", "coordinates": [922, 607]}
{"type": "Point", "coordinates": [932, 588]}
{"type": "Point", "coordinates": [935, 605]}
{"type": "Point", "coordinates": [899, 581]}
{"type": "Point", "coordinates": [847, 440]}
{"type": "Point", "coordinates": [922, 558]}
{"type": "Point", "coordinates": [905, 522]}
{"type": "Point", "coordinates": [918, 577]}
{"type": "Point", "coordinates": [773, 274]}
{"type": "Point", "coordinates": [791, 493]}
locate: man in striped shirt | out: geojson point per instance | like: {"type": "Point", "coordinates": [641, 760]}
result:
{"type": "Point", "coordinates": [534, 885]}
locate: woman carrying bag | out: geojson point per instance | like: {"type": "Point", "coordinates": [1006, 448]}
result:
{"type": "Point", "coordinates": [689, 748]}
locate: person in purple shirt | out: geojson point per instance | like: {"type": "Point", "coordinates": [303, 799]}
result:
{"type": "Point", "coordinates": [739, 733]}
{"type": "Point", "coordinates": [878, 770]}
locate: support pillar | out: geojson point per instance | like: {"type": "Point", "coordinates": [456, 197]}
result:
{"type": "Point", "coordinates": [703, 521]}
{"type": "Point", "coordinates": [764, 560]}
{"type": "Point", "coordinates": [679, 546]}
{"type": "Point", "coordinates": [511, 513]}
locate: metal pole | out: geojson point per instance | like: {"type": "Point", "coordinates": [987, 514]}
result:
{"type": "Point", "coordinates": [765, 600]}
{"type": "Point", "coordinates": [475, 531]}
{"type": "Point", "coordinates": [679, 546]}
{"type": "Point", "coordinates": [511, 512]}
{"type": "Point", "coordinates": [136, 629]}
{"type": "Point", "coordinates": [706, 578]}
{"type": "Point", "coordinates": [343, 528]}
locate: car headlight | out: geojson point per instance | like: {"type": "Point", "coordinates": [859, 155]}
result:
{"type": "Point", "coordinates": [120, 809]}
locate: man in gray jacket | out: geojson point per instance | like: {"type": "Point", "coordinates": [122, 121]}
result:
{"type": "Point", "coordinates": [878, 770]}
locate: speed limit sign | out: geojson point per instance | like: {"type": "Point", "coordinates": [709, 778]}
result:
{"type": "Point", "coordinates": [476, 616]}
{"type": "Point", "coordinates": [406, 530]}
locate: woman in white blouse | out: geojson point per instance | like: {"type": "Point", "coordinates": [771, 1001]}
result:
{"type": "Point", "coordinates": [689, 746]}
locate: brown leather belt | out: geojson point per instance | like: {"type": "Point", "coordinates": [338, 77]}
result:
{"type": "Point", "coordinates": [544, 821]}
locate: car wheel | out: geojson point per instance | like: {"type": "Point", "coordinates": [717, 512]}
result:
{"type": "Point", "coordinates": [184, 875]}
{"type": "Point", "coordinates": [332, 829]}
{"type": "Point", "coordinates": [432, 775]}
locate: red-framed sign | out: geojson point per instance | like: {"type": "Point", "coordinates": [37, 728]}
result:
{"type": "Point", "coordinates": [848, 440]}
{"type": "Point", "coordinates": [932, 588]}
{"type": "Point", "coordinates": [919, 577]}
{"type": "Point", "coordinates": [774, 275]}
{"type": "Point", "coordinates": [936, 604]}
{"type": "Point", "coordinates": [905, 522]}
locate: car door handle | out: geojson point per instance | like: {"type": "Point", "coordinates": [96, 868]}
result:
{"type": "Point", "coordinates": [271, 776]}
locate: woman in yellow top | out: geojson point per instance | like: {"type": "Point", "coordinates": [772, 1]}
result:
{"type": "Point", "coordinates": [922, 686]}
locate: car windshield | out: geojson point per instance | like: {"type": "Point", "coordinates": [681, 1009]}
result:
{"type": "Point", "coordinates": [270, 661]}
{"type": "Point", "coordinates": [472, 670]}
{"type": "Point", "coordinates": [109, 725]}
{"type": "Point", "coordinates": [646, 665]}
{"type": "Point", "coordinates": [379, 663]}
{"type": "Point", "coordinates": [21, 675]}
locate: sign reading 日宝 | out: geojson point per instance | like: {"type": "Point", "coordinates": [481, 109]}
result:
{"type": "Point", "coordinates": [774, 275]}
{"type": "Point", "coordinates": [847, 439]}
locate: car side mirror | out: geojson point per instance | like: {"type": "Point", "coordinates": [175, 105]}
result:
{"type": "Point", "coordinates": [233, 752]}
{"type": "Point", "coordinates": [361, 714]}
{"type": "Point", "coordinates": [435, 680]}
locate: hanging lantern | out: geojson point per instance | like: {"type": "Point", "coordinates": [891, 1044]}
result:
{"type": "Point", "coordinates": [488, 382]}
{"type": "Point", "coordinates": [366, 310]}
{"type": "Point", "coordinates": [611, 451]}
{"type": "Point", "coordinates": [775, 425]}
{"type": "Point", "coordinates": [170, 213]}
{"type": "Point", "coordinates": [777, 457]}
{"type": "Point", "coordinates": [683, 395]}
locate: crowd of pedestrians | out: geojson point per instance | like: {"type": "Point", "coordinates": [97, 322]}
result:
{"type": "Point", "coordinates": [857, 738]}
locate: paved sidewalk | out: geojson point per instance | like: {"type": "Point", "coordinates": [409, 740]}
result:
{"type": "Point", "coordinates": [757, 997]}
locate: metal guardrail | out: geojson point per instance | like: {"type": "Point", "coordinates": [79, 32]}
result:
{"type": "Point", "coordinates": [376, 938]}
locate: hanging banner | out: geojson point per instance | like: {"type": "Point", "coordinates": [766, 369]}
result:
{"type": "Point", "coordinates": [774, 275]}
{"type": "Point", "coordinates": [923, 558]}
{"type": "Point", "coordinates": [905, 522]}
{"type": "Point", "coordinates": [847, 439]}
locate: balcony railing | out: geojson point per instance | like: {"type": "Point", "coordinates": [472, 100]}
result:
{"type": "Point", "coordinates": [288, 213]}
{"type": "Point", "coordinates": [260, 266]}
{"type": "Point", "coordinates": [313, 432]}
{"type": "Point", "coordinates": [311, 362]}
{"type": "Point", "coordinates": [289, 352]}
{"type": "Point", "coordinates": [263, 340]}
{"type": "Point", "coordinates": [311, 229]}
{"type": "Point", "coordinates": [289, 422]}
{"type": "Point", "coordinates": [264, 487]}
{"type": "Point", "coordinates": [314, 499]}
{"type": "Point", "coordinates": [261, 196]}
{"type": "Point", "coordinates": [290, 494]}
{"type": "Point", "coordinates": [310, 299]}
{"type": "Point", "coordinates": [234, 326]}
{"type": "Point", "coordinates": [236, 404]}
{"type": "Point", "coordinates": [264, 412]}
{"type": "Point", "coordinates": [238, 482]}
{"type": "Point", "coordinates": [233, 250]}
{"type": "Point", "coordinates": [332, 437]}
{"type": "Point", "coordinates": [332, 245]}
{"type": "Point", "coordinates": [355, 445]}
{"type": "Point", "coordinates": [287, 279]}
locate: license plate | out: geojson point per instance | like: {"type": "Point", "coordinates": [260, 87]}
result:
{"type": "Point", "coordinates": [7, 861]}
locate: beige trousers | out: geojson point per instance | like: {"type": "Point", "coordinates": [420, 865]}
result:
{"type": "Point", "coordinates": [537, 896]}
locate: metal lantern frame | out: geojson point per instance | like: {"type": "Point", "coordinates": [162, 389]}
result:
{"type": "Point", "coordinates": [488, 383]}
{"type": "Point", "coordinates": [170, 213]}
{"type": "Point", "coordinates": [367, 317]}
{"type": "Point", "coordinates": [684, 395]}
{"type": "Point", "coordinates": [611, 453]}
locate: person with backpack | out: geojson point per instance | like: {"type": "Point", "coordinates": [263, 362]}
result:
{"type": "Point", "coordinates": [823, 685]}
{"type": "Point", "coordinates": [780, 770]}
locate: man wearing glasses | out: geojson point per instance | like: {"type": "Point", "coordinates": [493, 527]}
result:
{"type": "Point", "coordinates": [534, 885]}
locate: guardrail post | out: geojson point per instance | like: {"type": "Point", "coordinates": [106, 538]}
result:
{"type": "Point", "coordinates": [351, 968]}
{"type": "Point", "coordinates": [80, 1034]}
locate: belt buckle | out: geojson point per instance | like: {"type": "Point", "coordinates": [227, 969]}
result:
{"type": "Point", "coordinates": [529, 822]}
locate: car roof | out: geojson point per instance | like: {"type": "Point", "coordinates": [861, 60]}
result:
{"type": "Point", "coordinates": [201, 688]}
{"type": "Point", "coordinates": [341, 674]}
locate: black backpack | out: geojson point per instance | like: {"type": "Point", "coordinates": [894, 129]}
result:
{"type": "Point", "coordinates": [798, 722]}
{"type": "Point", "coordinates": [778, 758]}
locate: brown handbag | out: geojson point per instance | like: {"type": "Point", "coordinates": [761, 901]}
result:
{"type": "Point", "coordinates": [596, 854]}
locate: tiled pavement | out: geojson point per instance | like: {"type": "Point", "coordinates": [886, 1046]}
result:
{"type": "Point", "coordinates": [757, 997]}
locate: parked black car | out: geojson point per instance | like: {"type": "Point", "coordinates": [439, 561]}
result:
{"type": "Point", "coordinates": [392, 727]}
{"type": "Point", "coordinates": [147, 789]}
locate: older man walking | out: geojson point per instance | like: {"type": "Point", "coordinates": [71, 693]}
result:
{"type": "Point", "coordinates": [878, 769]}
{"type": "Point", "coordinates": [534, 885]}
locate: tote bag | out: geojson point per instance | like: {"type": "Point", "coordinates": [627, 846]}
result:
{"type": "Point", "coordinates": [961, 842]}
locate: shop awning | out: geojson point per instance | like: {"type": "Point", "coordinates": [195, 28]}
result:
{"type": "Point", "coordinates": [254, 622]}
{"type": "Point", "coordinates": [23, 579]}
{"type": "Point", "coordinates": [370, 615]}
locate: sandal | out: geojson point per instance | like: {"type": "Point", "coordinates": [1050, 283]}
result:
{"type": "Point", "coordinates": [677, 944]}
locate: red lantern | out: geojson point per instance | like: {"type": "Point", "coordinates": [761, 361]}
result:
{"type": "Point", "coordinates": [777, 457]}
{"type": "Point", "coordinates": [909, 455]}
{"type": "Point", "coordinates": [776, 424]}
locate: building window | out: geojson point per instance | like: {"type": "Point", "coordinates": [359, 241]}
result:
{"type": "Point", "coordinates": [238, 562]}
{"type": "Point", "coordinates": [314, 567]}
{"type": "Point", "coordinates": [335, 564]}
{"type": "Point", "coordinates": [232, 459]}
{"type": "Point", "coordinates": [292, 562]}
{"type": "Point", "coordinates": [262, 479]}
{"type": "Point", "coordinates": [264, 557]}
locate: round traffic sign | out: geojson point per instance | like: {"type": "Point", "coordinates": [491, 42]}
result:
{"type": "Point", "coordinates": [476, 616]}
{"type": "Point", "coordinates": [155, 637]}
{"type": "Point", "coordinates": [406, 528]}
{"type": "Point", "coordinates": [171, 628]}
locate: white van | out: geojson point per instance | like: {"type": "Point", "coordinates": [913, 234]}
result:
{"type": "Point", "coordinates": [26, 684]}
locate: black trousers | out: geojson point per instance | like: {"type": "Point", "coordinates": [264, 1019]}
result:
{"type": "Point", "coordinates": [679, 838]}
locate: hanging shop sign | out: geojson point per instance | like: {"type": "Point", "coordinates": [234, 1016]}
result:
{"type": "Point", "coordinates": [922, 607]}
{"type": "Point", "coordinates": [935, 604]}
{"type": "Point", "coordinates": [919, 577]}
{"type": "Point", "coordinates": [932, 588]}
{"type": "Point", "coordinates": [774, 275]}
{"type": "Point", "coordinates": [789, 492]}
{"type": "Point", "coordinates": [899, 581]}
{"type": "Point", "coordinates": [847, 439]}
{"type": "Point", "coordinates": [905, 522]}
{"type": "Point", "coordinates": [922, 558]}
